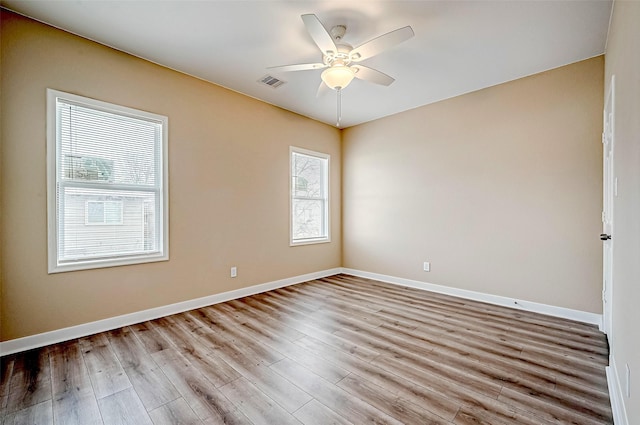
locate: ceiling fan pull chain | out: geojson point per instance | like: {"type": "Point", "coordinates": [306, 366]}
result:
{"type": "Point", "coordinates": [339, 107]}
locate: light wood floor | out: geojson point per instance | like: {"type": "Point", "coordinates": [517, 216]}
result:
{"type": "Point", "coordinates": [339, 350]}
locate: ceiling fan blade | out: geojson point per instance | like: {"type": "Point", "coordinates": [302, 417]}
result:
{"type": "Point", "coordinates": [381, 43]}
{"type": "Point", "coordinates": [319, 34]}
{"type": "Point", "coordinates": [371, 75]}
{"type": "Point", "coordinates": [298, 67]}
{"type": "Point", "coordinates": [322, 89]}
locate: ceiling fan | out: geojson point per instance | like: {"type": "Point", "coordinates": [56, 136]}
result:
{"type": "Point", "coordinates": [341, 60]}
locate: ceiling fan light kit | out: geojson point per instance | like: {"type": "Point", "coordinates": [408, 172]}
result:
{"type": "Point", "coordinates": [338, 76]}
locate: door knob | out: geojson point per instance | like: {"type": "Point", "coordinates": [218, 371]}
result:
{"type": "Point", "coordinates": [604, 237]}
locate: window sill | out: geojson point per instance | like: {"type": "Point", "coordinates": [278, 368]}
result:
{"type": "Point", "coordinates": [104, 263]}
{"type": "Point", "coordinates": [309, 241]}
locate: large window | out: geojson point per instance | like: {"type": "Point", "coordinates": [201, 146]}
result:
{"type": "Point", "coordinates": [107, 184]}
{"type": "Point", "coordinates": [309, 197]}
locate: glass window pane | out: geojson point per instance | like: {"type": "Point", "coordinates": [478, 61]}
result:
{"type": "Point", "coordinates": [308, 219]}
{"type": "Point", "coordinates": [113, 212]}
{"type": "Point", "coordinates": [307, 176]}
{"type": "Point", "coordinates": [95, 212]}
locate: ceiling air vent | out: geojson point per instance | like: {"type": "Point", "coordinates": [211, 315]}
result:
{"type": "Point", "coordinates": [271, 81]}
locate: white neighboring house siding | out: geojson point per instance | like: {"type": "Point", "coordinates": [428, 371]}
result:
{"type": "Point", "coordinates": [129, 236]}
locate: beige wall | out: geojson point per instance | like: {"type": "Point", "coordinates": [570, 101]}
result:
{"type": "Point", "coordinates": [623, 61]}
{"type": "Point", "coordinates": [229, 180]}
{"type": "Point", "coordinates": [499, 189]}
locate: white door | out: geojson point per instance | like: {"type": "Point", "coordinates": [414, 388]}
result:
{"type": "Point", "coordinates": [609, 189]}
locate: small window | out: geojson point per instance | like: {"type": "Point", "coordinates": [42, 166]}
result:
{"type": "Point", "coordinates": [103, 212]}
{"type": "Point", "coordinates": [107, 184]}
{"type": "Point", "coordinates": [309, 197]}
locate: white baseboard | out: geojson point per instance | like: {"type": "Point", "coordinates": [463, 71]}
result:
{"type": "Point", "coordinates": [550, 310]}
{"type": "Point", "coordinates": [616, 394]}
{"type": "Point", "coordinates": [65, 334]}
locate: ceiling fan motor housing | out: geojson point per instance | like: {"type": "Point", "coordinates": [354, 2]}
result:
{"type": "Point", "coordinates": [342, 56]}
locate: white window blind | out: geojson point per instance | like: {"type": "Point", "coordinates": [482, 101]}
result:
{"type": "Point", "coordinates": [107, 184]}
{"type": "Point", "coordinates": [309, 196]}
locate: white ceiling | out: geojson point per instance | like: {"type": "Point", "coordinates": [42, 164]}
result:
{"type": "Point", "coordinates": [459, 46]}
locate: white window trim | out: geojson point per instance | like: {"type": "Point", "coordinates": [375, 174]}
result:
{"type": "Point", "coordinates": [310, 241]}
{"type": "Point", "coordinates": [52, 212]}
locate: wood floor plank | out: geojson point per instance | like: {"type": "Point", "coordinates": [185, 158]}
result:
{"type": "Point", "coordinates": [525, 343]}
{"type": "Point", "coordinates": [123, 408]}
{"type": "Point", "coordinates": [74, 401]}
{"type": "Point", "coordinates": [478, 401]}
{"type": "Point", "coordinates": [68, 370]}
{"type": "Point", "coordinates": [127, 347]}
{"type": "Point", "coordinates": [201, 395]}
{"type": "Point", "coordinates": [352, 408]}
{"type": "Point", "coordinates": [38, 414]}
{"type": "Point", "coordinates": [233, 334]}
{"type": "Point", "coordinates": [255, 404]}
{"type": "Point", "coordinates": [564, 400]}
{"type": "Point", "coordinates": [384, 342]}
{"type": "Point", "coordinates": [29, 367]}
{"type": "Point", "coordinates": [488, 387]}
{"type": "Point", "coordinates": [30, 380]}
{"type": "Point", "coordinates": [393, 384]}
{"type": "Point", "coordinates": [23, 397]}
{"type": "Point", "coordinates": [316, 413]}
{"type": "Point", "coordinates": [282, 391]}
{"type": "Point", "coordinates": [105, 371]}
{"type": "Point", "coordinates": [339, 349]}
{"type": "Point", "coordinates": [76, 407]}
{"type": "Point", "coordinates": [397, 407]}
{"type": "Point", "coordinates": [148, 380]}
{"type": "Point", "coordinates": [294, 313]}
{"type": "Point", "coordinates": [313, 290]}
{"type": "Point", "coordinates": [315, 329]}
{"type": "Point", "coordinates": [593, 395]}
{"type": "Point", "coordinates": [152, 341]}
{"type": "Point", "coordinates": [358, 317]}
{"type": "Point", "coordinates": [225, 338]}
{"type": "Point", "coordinates": [6, 369]}
{"type": "Point", "coordinates": [495, 415]}
{"type": "Point", "coordinates": [206, 361]}
{"type": "Point", "coordinates": [485, 354]}
{"type": "Point", "coordinates": [270, 337]}
{"type": "Point", "coordinates": [3, 405]}
{"type": "Point", "coordinates": [176, 412]}
{"type": "Point", "coordinates": [546, 409]}
{"type": "Point", "coordinates": [286, 332]}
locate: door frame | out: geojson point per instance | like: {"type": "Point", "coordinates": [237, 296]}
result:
{"type": "Point", "coordinates": [609, 192]}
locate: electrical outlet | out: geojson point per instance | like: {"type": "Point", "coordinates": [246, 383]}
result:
{"type": "Point", "coordinates": [234, 271]}
{"type": "Point", "coordinates": [426, 266]}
